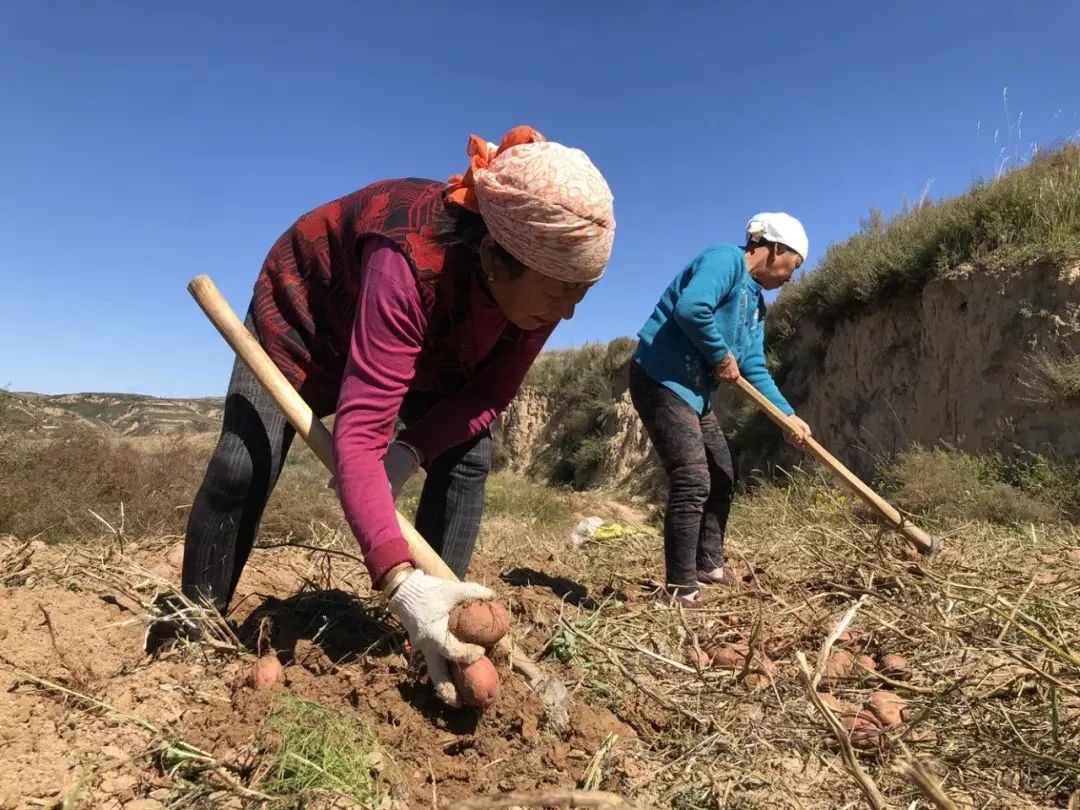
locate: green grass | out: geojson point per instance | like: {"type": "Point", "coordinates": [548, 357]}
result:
{"type": "Point", "coordinates": [947, 484]}
{"type": "Point", "coordinates": [1028, 214]}
{"type": "Point", "coordinates": [1055, 381]}
{"type": "Point", "coordinates": [317, 748]}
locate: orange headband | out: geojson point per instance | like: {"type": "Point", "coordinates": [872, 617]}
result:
{"type": "Point", "coordinates": [461, 188]}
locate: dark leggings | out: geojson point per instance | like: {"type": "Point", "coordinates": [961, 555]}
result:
{"type": "Point", "coordinates": [245, 466]}
{"type": "Point", "coordinates": [696, 458]}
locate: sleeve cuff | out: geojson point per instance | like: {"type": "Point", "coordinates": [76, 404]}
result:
{"type": "Point", "coordinates": [718, 356]}
{"type": "Point", "coordinates": [385, 556]}
{"type": "Point", "coordinates": [422, 441]}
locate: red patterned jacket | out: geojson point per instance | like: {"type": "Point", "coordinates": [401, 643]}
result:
{"type": "Point", "coordinates": [306, 294]}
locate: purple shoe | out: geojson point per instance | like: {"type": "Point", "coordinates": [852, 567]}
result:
{"type": "Point", "coordinates": [718, 576]}
{"type": "Point", "coordinates": [686, 601]}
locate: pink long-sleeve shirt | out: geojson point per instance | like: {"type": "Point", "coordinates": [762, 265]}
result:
{"type": "Point", "coordinates": [387, 340]}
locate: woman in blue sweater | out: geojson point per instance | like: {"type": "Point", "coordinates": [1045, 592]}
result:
{"type": "Point", "coordinates": [709, 327]}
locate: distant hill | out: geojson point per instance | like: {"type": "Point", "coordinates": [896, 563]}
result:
{"type": "Point", "coordinates": [124, 414]}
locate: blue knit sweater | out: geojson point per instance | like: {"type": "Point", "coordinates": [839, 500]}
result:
{"type": "Point", "coordinates": [711, 308]}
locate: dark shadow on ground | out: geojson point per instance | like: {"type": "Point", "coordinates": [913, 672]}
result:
{"type": "Point", "coordinates": [568, 590]}
{"type": "Point", "coordinates": [463, 721]}
{"type": "Point", "coordinates": [335, 620]}
{"type": "Point", "coordinates": [345, 631]}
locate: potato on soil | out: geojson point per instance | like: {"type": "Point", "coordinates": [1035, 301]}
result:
{"type": "Point", "coordinates": [895, 666]}
{"type": "Point", "coordinates": [867, 663]}
{"type": "Point", "coordinates": [729, 656]}
{"type": "Point", "coordinates": [863, 729]}
{"type": "Point", "coordinates": [266, 672]}
{"type": "Point", "coordinates": [699, 658]}
{"type": "Point", "coordinates": [733, 657]}
{"type": "Point", "coordinates": [888, 706]}
{"type": "Point", "coordinates": [837, 668]}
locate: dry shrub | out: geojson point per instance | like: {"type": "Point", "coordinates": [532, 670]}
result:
{"type": "Point", "coordinates": [1054, 380]}
{"type": "Point", "coordinates": [950, 485]}
{"type": "Point", "coordinates": [579, 382]}
{"type": "Point", "coordinates": [1053, 481]}
{"type": "Point", "coordinates": [302, 497]}
{"type": "Point", "coordinates": [48, 486]}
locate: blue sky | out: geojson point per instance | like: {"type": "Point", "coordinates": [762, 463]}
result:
{"type": "Point", "coordinates": [144, 143]}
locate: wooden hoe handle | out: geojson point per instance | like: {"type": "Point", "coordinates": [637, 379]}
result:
{"type": "Point", "coordinates": [929, 546]}
{"type": "Point", "coordinates": [298, 412]}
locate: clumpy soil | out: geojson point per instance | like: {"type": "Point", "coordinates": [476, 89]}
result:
{"type": "Point", "coordinates": [86, 712]}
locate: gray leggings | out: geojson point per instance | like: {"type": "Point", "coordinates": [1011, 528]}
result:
{"type": "Point", "coordinates": [701, 477]}
{"type": "Point", "coordinates": [245, 466]}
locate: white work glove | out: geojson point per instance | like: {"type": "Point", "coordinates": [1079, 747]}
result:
{"type": "Point", "coordinates": [401, 463]}
{"type": "Point", "coordinates": [422, 603]}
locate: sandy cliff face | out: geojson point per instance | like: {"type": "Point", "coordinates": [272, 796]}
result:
{"type": "Point", "coordinates": [533, 421]}
{"type": "Point", "coordinates": [525, 427]}
{"type": "Point", "coordinates": [950, 363]}
{"type": "Point", "coordinates": [629, 447]}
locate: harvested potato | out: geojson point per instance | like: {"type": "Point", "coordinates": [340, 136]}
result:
{"type": "Point", "coordinates": [863, 729]}
{"type": "Point", "coordinates": [895, 666]}
{"type": "Point", "coordinates": [729, 656]}
{"type": "Point", "coordinates": [266, 672]}
{"type": "Point", "coordinates": [733, 657]}
{"type": "Point", "coordinates": [480, 622]}
{"type": "Point", "coordinates": [837, 668]}
{"type": "Point", "coordinates": [888, 706]}
{"type": "Point", "coordinates": [867, 662]}
{"type": "Point", "coordinates": [477, 683]}
{"type": "Point", "coordinates": [700, 658]}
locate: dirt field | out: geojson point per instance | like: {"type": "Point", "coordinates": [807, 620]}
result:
{"type": "Point", "coordinates": [989, 631]}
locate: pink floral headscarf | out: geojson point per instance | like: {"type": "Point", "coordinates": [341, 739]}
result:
{"type": "Point", "coordinates": [546, 204]}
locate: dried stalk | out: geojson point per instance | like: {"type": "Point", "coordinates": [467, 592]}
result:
{"type": "Point", "coordinates": [117, 532]}
{"type": "Point", "coordinates": [927, 784]}
{"type": "Point", "coordinates": [554, 798]}
{"type": "Point", "coordinates": [752, 650]}
{"type": "Point", "coordinates": [826, 646]}
{"type": "Point", "coordinates": [866, 784]}
{"type": "Point", "coordinates": [79, 674]}
{"type": "Point", "coordinates": [618, 664]}
{"type": "Point", "coordinates": [15, 565]}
